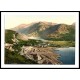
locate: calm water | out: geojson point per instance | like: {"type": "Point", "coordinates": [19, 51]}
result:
{"type": "Point", "coordinates": [67, 55]}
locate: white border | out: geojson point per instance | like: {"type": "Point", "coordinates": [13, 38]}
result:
{"type": "Point", "coordinates": [41, 66]}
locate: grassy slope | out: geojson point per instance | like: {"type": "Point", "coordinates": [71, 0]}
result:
{"type": "Point", "coordinates": [9, 36]}
{"type": "Point", "coordinates": [15, 58]}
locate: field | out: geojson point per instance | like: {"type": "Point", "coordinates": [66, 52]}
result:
{"type": "Point", "coordinates": [62, 43]}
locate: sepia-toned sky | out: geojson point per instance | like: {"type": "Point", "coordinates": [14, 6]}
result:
{"type": "Point", "coordinates": [15, 20]}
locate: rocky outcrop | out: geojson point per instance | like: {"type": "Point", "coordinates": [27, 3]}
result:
{"type": "Point", "coordinates": [40, 55]}
{"type": "Point", "coordinates": [9, 46]}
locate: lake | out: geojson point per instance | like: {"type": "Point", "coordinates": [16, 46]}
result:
{"type": "Point", "coordinates": [67, 55]}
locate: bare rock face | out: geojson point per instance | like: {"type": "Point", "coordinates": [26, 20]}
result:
{"type": "Point", "coordinates": [9, 46]}
{"type": "Point", "coordinates": [40, 55]}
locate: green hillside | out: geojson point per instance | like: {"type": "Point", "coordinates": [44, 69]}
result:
{"type": "Point", "coordinates": [50, 31]}
{"type": "Point", "coordinates": [15, 58]}
{"type": "Point", "coordinates": [9, 35]}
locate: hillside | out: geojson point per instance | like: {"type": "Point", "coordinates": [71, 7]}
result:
{"type": "Point", "coordinates": [18, 51]}
{"type": "Point", "coordinates": [48, 30]}
{"type": "Point", "coordinates": [10, 34]}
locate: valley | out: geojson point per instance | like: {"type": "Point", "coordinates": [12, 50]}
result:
{"type": "Point", "coordinates": [36, 43]}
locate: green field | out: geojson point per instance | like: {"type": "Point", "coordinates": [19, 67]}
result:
{"type": "Point", "coordinates": [62, 43]}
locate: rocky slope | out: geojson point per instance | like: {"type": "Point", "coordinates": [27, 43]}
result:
{"type": "Point", "coordinates": [40, 55]}
{"type": "Point", "coordinates": [47, 30]}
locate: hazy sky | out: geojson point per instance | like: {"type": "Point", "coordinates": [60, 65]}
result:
{"type": "Point", "coordinates": [15, 20]}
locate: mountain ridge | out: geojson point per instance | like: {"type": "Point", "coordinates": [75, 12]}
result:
{"type": "Point", "coordinates": [47, 30]}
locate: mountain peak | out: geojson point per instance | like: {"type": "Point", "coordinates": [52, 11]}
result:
{"type": "Point", "coordinates": [46, 23]}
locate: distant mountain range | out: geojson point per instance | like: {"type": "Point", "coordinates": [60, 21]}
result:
{"type": "Point", "coordinates": [47, 30]}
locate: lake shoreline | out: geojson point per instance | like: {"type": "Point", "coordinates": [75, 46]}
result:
{"type": "Point", "coordinates": [67, 55]}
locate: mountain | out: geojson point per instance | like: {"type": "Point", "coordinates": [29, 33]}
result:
{"type": "Point", "coordinates": [21, 26]}
{"type": "Point", "coordinates": [35, 27]}
{"type": "Point", "coordinates": [48, 30]}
